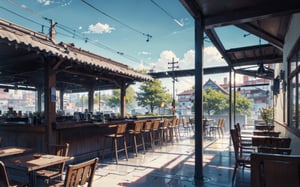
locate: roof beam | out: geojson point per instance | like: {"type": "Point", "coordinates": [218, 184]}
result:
{"type": "Point", "coordinates": [211, 33]}
{"type": "Point", "coordinates": [248, 14]}
{"type": "Point", "coordinates": [262, 34]}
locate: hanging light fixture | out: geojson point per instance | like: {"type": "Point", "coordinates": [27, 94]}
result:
{"type": "Point", "coordinates": [261, 71]}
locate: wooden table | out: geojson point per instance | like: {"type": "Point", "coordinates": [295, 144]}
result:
{"type": "Point", "coordinates": [10, 150]}
{"type": "Point", "coordinates": [266, 133]}
{"type": "Point", "coordinates": [30, 164]}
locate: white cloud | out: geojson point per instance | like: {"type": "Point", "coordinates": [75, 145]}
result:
{"type": "Point", "coordinates": [100, 28]}
{"type": "Point", "coordinates": [212, 58]}
{"type": "Point", "coordinates": [80, 27]}
{"type": "Point", "coordinates": [45, 2]}
{"type": "Point", "coordinates": [144, 53]}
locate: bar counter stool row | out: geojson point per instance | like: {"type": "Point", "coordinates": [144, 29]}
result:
{"type": "Point", "coordinates": [139, 134]}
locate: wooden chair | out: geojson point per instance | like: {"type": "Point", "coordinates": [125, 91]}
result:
{"type": "Point", "coordinates": [245, 141]}
{"type": "Point", "coordinates": [273, 170]}
{"type": "Point", "coordinates": [118, 134]}
{"type": "Point", "coordinates": [146, 133]}
{"type": "Point", "coordinates": [172, 130]}
{"type": "Point", "coordinates": [218, 128]}
{"type": "Point", "coordinates": [79, 175]}
{"type": "Point", "coordinates": [164, 130]}
{"type": "Point", "coordinates": [186, 126]}
{"type": "Point", "coordinates": [4, 181]}
{"type": "Point", "coordinates": [240, 158]}
{"type": "Point", "coordinates": [57, 170]}
{"type": "Point", "coordinates": [266, 133]}
{"type": "Point", "coordinates": [137, 136]}
{"type": "Point", "coordinates": [156, 135]}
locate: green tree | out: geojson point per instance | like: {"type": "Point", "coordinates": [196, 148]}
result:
{"type": "Point", "coordinates": [115, 99]}
{"type": "Point", "coordinates": [214, 102]}
{"type": "Point", "coordinates": [243, 104]}
{"type": "Point", "coordinates": [152, 94]}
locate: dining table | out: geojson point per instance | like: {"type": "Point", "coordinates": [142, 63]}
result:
{"type": "Point", "coordinates": [12, 150]}
{"type": "Point", "coordinates": [32, 162]}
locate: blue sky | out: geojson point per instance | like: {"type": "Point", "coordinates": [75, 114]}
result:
{"type": "Point", "coordinates": [121, 27]}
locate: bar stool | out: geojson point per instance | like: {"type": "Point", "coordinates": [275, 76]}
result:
{"type": "Point", "coordinates": [147, 134]}
{"type": "Point", "coordinates": [120, 130]}
{"type": "Point", "coordinates": [187, 127]}
{"type": "Point", "coordinates": [172, 130]}
{"type": "Point", "coordinates": [156, 135]}
{"type": "Point", "coordinates": [164, 130]}
{"type": "Point", "coordinates": [137, 136]}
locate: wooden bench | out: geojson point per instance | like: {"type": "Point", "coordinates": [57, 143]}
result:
{"type": "Point", "coordinates": [274, 170]}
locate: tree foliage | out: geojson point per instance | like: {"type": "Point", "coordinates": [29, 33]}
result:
{"type": "Point", "coordinates": [214, 102]}
{"type": "Point", "coordinates": [152, 94]}
{"type": "Point", "coordinates": [115, 99]}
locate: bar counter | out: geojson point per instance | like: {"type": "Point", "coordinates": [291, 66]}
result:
{"type": "Point", "coordinates": [85, 137]}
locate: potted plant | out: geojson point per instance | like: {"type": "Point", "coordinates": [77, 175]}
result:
{"type": "Point", "coordinates": [266, 113]}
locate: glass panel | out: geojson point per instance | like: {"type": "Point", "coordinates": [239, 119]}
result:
{"type": "Point", "coordinates": [293, 63]}
{"type": "Point", "coordinates": [293, 102]}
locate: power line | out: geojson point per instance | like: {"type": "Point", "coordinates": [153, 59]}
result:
{"type": "Point", "coordinates": [115, 19]}
{"type": "Point", "coordinates": [68, 30]}
{"type": "Point", "coordinates": [30, 20]}
{"type": "Point", "coordinates": [166, 12]}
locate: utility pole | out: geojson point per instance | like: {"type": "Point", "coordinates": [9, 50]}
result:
{"type": "Point", "coordinates": [173, 67]}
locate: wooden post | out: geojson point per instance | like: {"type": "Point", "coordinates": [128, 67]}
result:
{"type": "Point", "coordinates": [91, 100]}
{"type": "Point", "coordinates": [50, 101]}
{"type": "Point", "coordinates": [39, 99]}
{"type": "Point", "coordinates": [123, 100]}
{"type": "Point", "coordinates": [61, 96]}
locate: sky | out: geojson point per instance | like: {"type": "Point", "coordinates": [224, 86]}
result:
{"type": "Point", "coordinates": [143, 34]}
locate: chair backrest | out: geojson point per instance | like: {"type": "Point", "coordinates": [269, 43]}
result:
{"type": "Point", "coordinates": [184, 121]}
{"type": "Point", "coordinates": [1, 141]}
{"type": "Point", "coordinates": [121, 128]}
{"type": "Point", "coordinates": [148, 125]}
{"type": "Point", "coordinates": [274, 150]}
{"type": "Point", "coordinates": [59, 150]}
{"type": "Point", "coordinates": [155, 124]}
{"type": "Point", "coordinates": [4, 182]}
{"type": "Point", "coordinates": [174, 122]}
{"type": "Point", "coordinates": [221, 122]}
{"type": "Point", "coordinates": [138, 126]}
{"type": "Point", "coordinates": [81, 173]}
{"type": "Point", "coordinates": [166, 123]}
{"type": "Point", "coordinates": [273, 170]}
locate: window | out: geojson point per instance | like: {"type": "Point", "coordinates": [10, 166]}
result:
{"type": "Point", "coordinates": [294, 88]}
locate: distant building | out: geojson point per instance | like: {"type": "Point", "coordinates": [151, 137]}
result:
{"type": "Point", "coordinates": [259, 95]}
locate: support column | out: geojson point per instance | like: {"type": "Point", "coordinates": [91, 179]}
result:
{"type": "Point", "coordinates": [61, 96]}
{"type": "Point", "coordinates": [198, 103]}
{"type": "Point", "coordinates": [123, 101]}
{"type": "Point", "coordinates": [39, 100]}
{"type": "Point", "coordinates": [91, 100]}
{"type": "Point", "coordinates": [50, 101]}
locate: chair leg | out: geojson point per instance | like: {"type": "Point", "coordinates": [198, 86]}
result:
{"type": "Point", "coordinates": [143, 142]}
{"type": "Point", "coordinates": [135, 144]}
{"type": "Point", "coordinates": [125, 147]}
{"type": "Point", "coordinates": [116, 149]}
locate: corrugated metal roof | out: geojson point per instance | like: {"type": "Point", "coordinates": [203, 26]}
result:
{"type": "Point", "coordinates": [32, 41]}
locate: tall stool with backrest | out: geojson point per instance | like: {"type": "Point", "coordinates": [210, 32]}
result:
{"type": "Point", "coordinates": [147, 134]}
{"type": "Point", "coordinates": [137, 136]}
{"type": "Point", "coordinates": [156, 135]}
{"type": "Point", "coordinates": [186, 126]}
{"type": "Point", "coordinates": [172, 130]}
{"type": "Point", "coordinates": [118, 134]}
{"type": "Point", "coordinates": [55, 171]}
{"type": "Point", "coordinates": [164, 130]}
